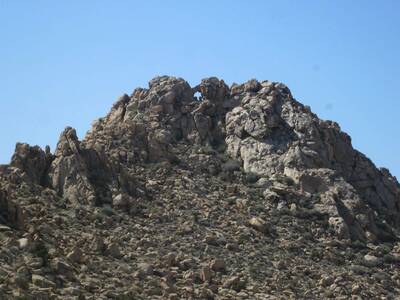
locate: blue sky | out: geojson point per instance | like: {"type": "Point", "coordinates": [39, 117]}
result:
{"type": "Point", "coordinates": [65, 62]}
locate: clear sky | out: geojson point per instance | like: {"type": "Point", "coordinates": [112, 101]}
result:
{"type": "Point", "coordinates": [65, 62]}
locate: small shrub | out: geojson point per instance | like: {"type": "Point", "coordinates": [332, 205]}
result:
{"type": "Point", "coordinates": [357, 244]}
{"type": "Point", "coordinates": [107, 210]}
{"type": "Point", "coordinates": [251, 178]}
{"type": "Point", "coordinates": [208, 150]}
{"type": "Point", "coordinates": [231, 165]}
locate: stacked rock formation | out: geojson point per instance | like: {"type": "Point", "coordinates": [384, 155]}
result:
{"type": "Point", "coordinates": [250, 155]}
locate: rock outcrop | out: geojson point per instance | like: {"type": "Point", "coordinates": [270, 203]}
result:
{"type": "Point", "coordinates": [269, 132]}
{"type": "Point", "coordinates": [233, 166]}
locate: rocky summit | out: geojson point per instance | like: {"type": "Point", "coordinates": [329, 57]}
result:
{"type": "Point", "coordinates": [205, 192]}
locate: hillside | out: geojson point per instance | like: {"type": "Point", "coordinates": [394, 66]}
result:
{"type": "Point", "coordinates": [205, 192]}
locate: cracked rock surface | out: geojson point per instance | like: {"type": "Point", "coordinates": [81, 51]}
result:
{"type": "Point", "coordinates": [240, 193]}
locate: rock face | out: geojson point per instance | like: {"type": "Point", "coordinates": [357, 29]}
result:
{"type": "Point", "coordinates": [79, 174]}
{"type": "Point", "coordinates": [262, 126]}
{"type": "Point", "coordinates": [165, 156]}
{"type": "Point", "coordinates": [274, 134]}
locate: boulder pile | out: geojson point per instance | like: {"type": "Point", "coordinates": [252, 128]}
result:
{"type": "Point", "coordinates": [205, 192]}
